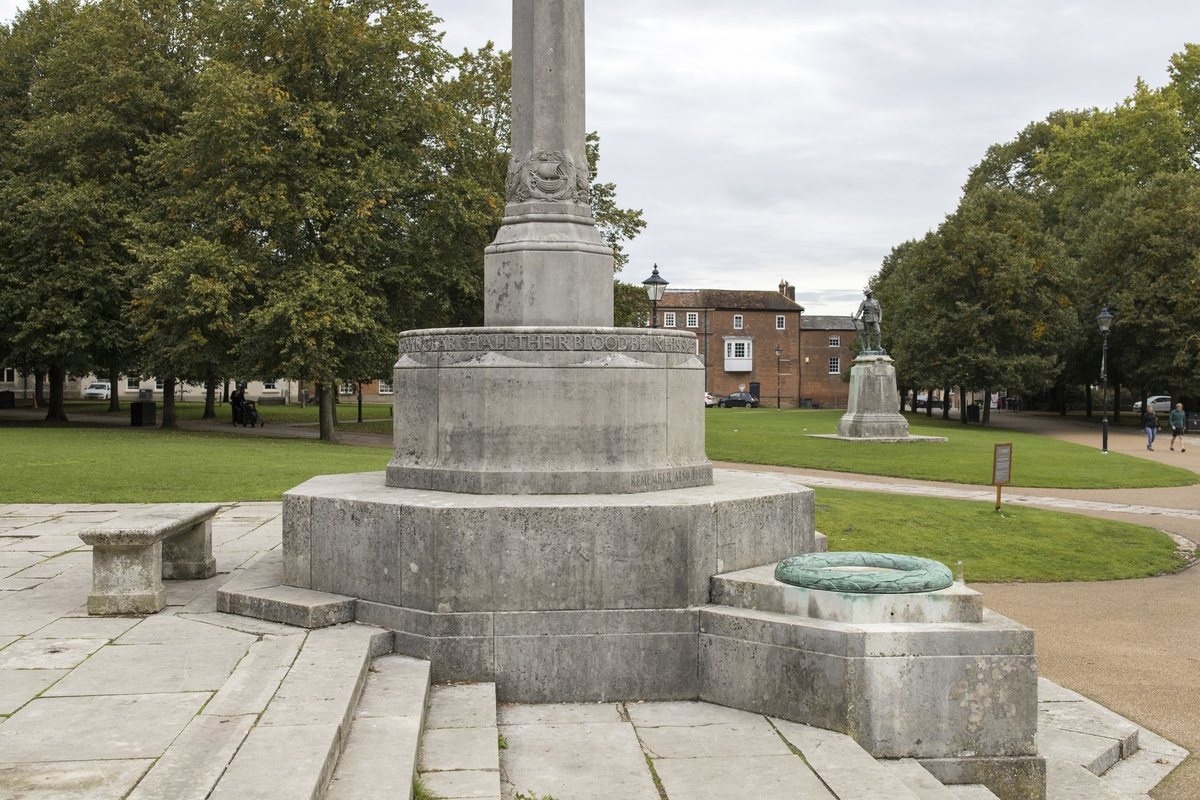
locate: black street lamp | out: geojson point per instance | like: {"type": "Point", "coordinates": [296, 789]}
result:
{"type": "Point", "coordinates": [1105, 321]}
{"type": "Point", "coordinates": [655, 286]}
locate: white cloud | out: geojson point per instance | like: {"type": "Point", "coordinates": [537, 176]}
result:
{"type": "Point", "coordinates": [771, 139]}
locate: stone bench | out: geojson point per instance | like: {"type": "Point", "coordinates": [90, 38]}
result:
{"type": "Point", "coordinates": [132, 554]}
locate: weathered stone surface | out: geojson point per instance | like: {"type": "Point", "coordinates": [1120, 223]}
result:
{"type": "Point", "coordinates": [152, 669]}
{"type": "Point", "coordinates": [257, 677]}
{"type": "Point", "coordinates": [919, 780]}
{"type": "Point", "coordinates": [873, 407]}
{"type": "Point", "coordinates": [194, 762]}
{"type": "Point", "coordinates": [471, 705]}
{"type": "Point", "coordinates": [1015, 778]}
{"type": "Point", "coordinates": [752, 737]}
{"type": "Point", "coordinates": [741, 776]}
{"type": "Point", "coordinates": [93, 728]}
{"type": "Point", "coordinates": [303, 608]}
{"type": "Point", "coordinates": [78, 780]}
{"type": "Point", "coordinates": [588, 761]}
{"type": "Point", "coordinates": [756, 588]}
{"type": "Point", "coordinates": [435, 552]}
{"type": "Point", "coordinates": [398, 686]}
{"type": "Point", "coordinates": [843, 765]}
{"type": "Point", "coordinates": [646, 435]}
{"type": "Point", "coordinates": [446, 749]}
{"type": "Point", "coordinates": [462, 784]}
{"type": "Point", "coordinates": [378, 761]}
{"type": "Point", "coordinates": [19, 686]}
{"type": "Point", "coordinates": [48, 653]}
{"type": "Point", "coordinates": [281, 761]}
{"type": "Point", "coordinates": [1068, 781]}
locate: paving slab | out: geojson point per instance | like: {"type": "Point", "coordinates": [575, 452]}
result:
{"type": "Point", "coordinates": [558, 713]}
{"type": "Point", "coordinates": [195, 761]}
{"type": "Point", "coordinates": [86, 628]}
{"type": "Point", "coordinates": [470, 705]}
{"type": "Point", "coordinates": [48, 653]}
{"type": "Point", "coordinates": [1094, 753]}
{"type": "Point", "coordinates": [581, 761]}
{"type": "Point", "coordinates": [843, 766]}
{"type": "Point", "coordinates": [249, 625]}
{"type": "Point", "coordinates": [918, 779]}
{"type": "Point", "coordinates": [463, 784]}
{"type": "Point", "coordinates": [972, 792]}
{"type": "Point", "coordinates": [77, 780]}
{"type": "Point", "coordinates": [167, 629]}
{"type": "Point", "coordinates": [281, 762]}
{"type": "Point", "coordinates": [153, 669]}
{"type": "Point", "coordinates": [19, 686]}
{"type": "Point", "coordinates": [96, 728]}
{"type": "Point", "coordinates": [742, 739]}
{"type": "Point", "coordinates": [687, 714]}
{"type": "Point", "coordinates": [256, 678]}
{"type": "Point", "coordinates": [446, 749]}
{"type": "Point", "coordinates": [762, 777]}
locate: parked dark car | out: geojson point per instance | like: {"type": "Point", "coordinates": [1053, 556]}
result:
{"type": "Point", "coordinates": [921, 403]}
{"type": "Point", "coordinates": [738, 399]}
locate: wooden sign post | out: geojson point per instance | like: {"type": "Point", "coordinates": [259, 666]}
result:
{"type": "Point", "coordinates": [1001, 468]}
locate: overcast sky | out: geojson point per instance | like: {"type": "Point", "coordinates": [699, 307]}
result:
{"type": "Point", "coordinates": [772, 140]}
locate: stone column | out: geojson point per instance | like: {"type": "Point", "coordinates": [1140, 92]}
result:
{"type": "Point", "coordinates": [548, 264]}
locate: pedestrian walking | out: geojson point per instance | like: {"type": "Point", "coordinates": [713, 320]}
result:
{"type": "Point", "coordinates": [1150, 426]}
{"type": "Point", "coordinates": [1178, 423]}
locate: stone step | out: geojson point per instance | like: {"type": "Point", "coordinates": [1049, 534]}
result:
{"type": "Point", "coordinates": [1137, 775]}
{"type": "Point", "coordinates": [259, 592]}
{"type": "Point", "coordinates": [1068, 781]}
{"type": "Point", "coordinates": [848, 770]}
{"type": "Point", "coordinates": [460, 746]}
{"type": "Point", "coordinates": [919, 780]}
{"type": "Point", "coordinates": [379, 761]}
{"type": "Point", "coordinates": [292, 750]}
{"type": "Point", "coordinates": [1075, 730]}
{"type": "Point", "coordinates": [971, 792]}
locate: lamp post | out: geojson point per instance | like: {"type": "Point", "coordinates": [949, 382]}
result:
{"type": "Point", "coordinates": [655, 286]}
{"type": "Point", "coordinates": [1104, 320]}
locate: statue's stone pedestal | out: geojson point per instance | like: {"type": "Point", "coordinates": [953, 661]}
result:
{"type": "Point", "coordinates": [556, 598]}
{"type": "Point", "coordinates": [932, 676]}
{"type": "Point", "coordinates": [548, 410]}
{"type": "Point", "coordinates": [873, 410]}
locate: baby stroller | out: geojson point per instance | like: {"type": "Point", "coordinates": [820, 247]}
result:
{"type": "Point", "coordinates": [245, 412]}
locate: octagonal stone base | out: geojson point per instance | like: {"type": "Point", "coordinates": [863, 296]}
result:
{"type": "Point", "coordinates": [564, 598]}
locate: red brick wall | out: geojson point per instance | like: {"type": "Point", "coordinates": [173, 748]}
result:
{"type": "Point", "coordinates": [829, 391]}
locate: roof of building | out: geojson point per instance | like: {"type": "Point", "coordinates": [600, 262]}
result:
{"type": "Point", "coordinates": [728, 299]}
{"type": "Point", "coordinates": [827, 323]}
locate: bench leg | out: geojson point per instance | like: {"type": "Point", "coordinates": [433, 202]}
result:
{"type": "Point", "coordinates": [188, 555]}
{"type": "Point", "coordinates": [126, 580]}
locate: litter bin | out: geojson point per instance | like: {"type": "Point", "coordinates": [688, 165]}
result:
{"type": "Point", "coordinates": [1193, 421]}
{"type": "Point", "coordinates": [143, 413]}
{"type": "Point", "coordinates": [973, 412]}
{"type": "Point", "coordinates": [8, 399]}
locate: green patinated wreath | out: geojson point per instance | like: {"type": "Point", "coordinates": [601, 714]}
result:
{"type": "Point", "coordinates": [906, 574]}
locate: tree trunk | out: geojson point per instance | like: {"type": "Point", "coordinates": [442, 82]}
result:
{"type": "Point", "coordinates": [225, 392]}
{"type": "Point", "coordinates": [929, 403]}
{"type": "Point", "coordinates": [986, 414]}
{"type": "Point", "coordinates": [1062, 400]}
{"type": "Point", "coordinates": [1116, 402]}
{"type": "Point", "coordinates": [325, 395]}
{"type": "Point", "coordinates": [210, 395]}
{"type": "Point", "coordinates": [168, 420]}
{"type": "Point", "coordinates": [962, 405]}
{"type": "Point", "coordinates": [39, 389]}
{"type": "Point", "coordinates": [114, 399]}
{"type": "Point", "coordinates": [1088, 400]}
{"type": "Point", "coordinates": [57, 412]}
{"type": "Point", "coordinates": [903, 400]}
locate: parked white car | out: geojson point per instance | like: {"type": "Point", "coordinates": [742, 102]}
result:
{"type": "Point", "coordinates": [1159, 403]}
{"type": "Point", "coordinates": [97, 390]}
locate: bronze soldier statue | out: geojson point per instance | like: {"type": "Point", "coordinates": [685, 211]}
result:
{"type": "Point", "coordinates": [870, 314]}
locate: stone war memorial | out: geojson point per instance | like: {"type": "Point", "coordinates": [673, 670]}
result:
{"type": "Point", "coordinates": [549, 521]}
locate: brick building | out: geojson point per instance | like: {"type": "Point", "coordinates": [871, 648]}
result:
{"type": "Point", "coordinates": [825, 359]}
{"type": "Point", "coordinates": [749, 341]}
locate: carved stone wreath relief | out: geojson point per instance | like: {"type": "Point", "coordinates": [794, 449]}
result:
{"type": "Point", "coordinates": [547, 176]}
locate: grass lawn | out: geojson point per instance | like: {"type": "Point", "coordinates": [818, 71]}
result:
{"type": "Point", "coordinates": [768, 436]}
{"type": "Point", "coordinates": [150, 465]}
{"type": "Point", "coordinates": [1014, 544]}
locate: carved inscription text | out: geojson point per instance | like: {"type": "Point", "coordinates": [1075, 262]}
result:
{"type": "Point", "coordinates": [594, 342]}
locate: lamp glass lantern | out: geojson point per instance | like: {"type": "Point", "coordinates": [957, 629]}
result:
{"type": "Point", "coordinates": [656, 286]}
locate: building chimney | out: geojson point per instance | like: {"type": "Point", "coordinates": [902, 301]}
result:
{"type": "Point", "coordinates": [792, 293]}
